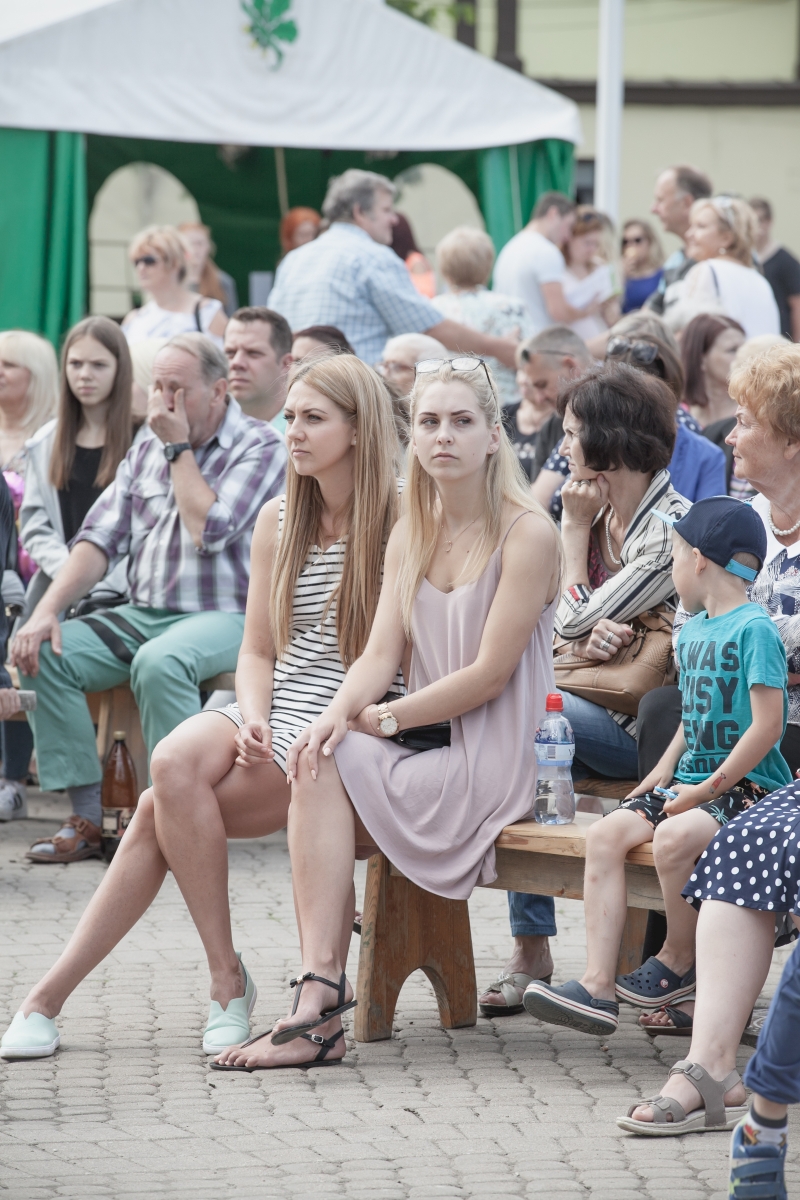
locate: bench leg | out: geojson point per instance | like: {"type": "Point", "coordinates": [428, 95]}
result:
{"type": "Point", "coordinates": [630, 952]}
{"type": "Point", "coordinates": [405, 929]}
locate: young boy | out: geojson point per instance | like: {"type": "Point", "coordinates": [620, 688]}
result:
{"type": "Point", "coordinates": [723, 758]}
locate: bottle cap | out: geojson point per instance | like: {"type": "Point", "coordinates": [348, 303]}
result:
{"type": "Point", "coordinates": [120, 735]}
{"type": "Point", "coordinates": [555, 702]}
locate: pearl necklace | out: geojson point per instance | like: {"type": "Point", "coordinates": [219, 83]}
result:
{"type": "Point", "coordinates": [616, 561]}
{"type": "Point", "coordinates": [781, 533]}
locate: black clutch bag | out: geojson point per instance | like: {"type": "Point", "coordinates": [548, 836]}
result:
{"type": "Point", "coordinates": [424, 737]}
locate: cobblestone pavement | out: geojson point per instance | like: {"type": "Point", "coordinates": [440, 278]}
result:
{"type": "Point", "coordinates": [128, 1107]}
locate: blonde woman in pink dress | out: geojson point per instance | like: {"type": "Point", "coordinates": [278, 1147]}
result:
{"type": "Point", "coordinates": [472, 581]}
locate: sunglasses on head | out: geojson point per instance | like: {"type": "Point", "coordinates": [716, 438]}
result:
{"type": "Point", "coordinates": [145, 260]}
{"type": "Point", "coordinates": [641, 352]}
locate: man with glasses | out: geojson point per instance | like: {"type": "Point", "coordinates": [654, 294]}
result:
{"type": "Point", "coordinates": [351, 278]}
{"type": "Point", "coordinates": [401, 355]}
{"type": "Point", "coordinates": [676, 190]}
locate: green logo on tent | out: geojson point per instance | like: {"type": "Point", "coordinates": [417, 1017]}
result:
{"type": "Point", "coordinates": [269, 25]}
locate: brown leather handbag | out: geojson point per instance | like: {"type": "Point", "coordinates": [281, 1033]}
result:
{"type": "Point", "coordinates": [636, 669]}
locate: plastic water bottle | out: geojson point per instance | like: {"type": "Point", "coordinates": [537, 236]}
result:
{"type": "Point", "coordinates": [554, 748]}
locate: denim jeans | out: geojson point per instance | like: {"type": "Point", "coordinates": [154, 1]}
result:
{"type": "Point", "coordinates": [774, 1069]}
{"type": "Point", "coordinates": [532, 916]}
{"type": "Point", "coordinates": [602, 747]}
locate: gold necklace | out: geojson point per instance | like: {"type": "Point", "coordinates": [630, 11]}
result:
{"type": "Point", "coordinates": [451, 541]}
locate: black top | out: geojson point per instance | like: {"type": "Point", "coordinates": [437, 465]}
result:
{"type": "Point", "coordinates": [550, 435]}
{"type": "Point", "coordinates": [81, 492]}
{"type": "Point", "coordinates": [716, 432]}
{"type": "Point", "coordinates": [783, 275]}
{"type": "Point", "coordinates": [524, 443]}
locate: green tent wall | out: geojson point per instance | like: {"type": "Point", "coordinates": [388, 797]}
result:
{"type": "Point", "coordinates": [48, 183]}
{"type": "Point", "coordinates": [43, 217]}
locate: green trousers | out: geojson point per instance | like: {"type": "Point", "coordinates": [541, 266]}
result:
{"type": "Point", "coordinates": [182, 650]}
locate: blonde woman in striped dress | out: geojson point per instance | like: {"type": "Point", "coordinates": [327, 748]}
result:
{"type": "Point", "coordinates": [317, 562]}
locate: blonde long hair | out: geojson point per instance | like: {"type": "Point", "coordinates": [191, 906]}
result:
{"type": "Point", "coordinates": [38, 356]}
{"type": "Point", "coordinates": [371, 512]}
{"type": "Point", "coordinates": [504, 482]}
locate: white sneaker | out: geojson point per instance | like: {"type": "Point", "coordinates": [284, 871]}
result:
{"type": "Point", "coordinates": [13, 800]}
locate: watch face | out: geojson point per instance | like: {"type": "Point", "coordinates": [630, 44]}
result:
{"type": "Point", "coordinates": [389, 725]}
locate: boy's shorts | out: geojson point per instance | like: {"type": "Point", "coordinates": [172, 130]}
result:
{"type": "Point", "coordinates": [741, 796]}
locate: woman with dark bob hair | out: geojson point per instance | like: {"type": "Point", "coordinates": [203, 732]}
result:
{"type": "Point", "coordinates": [619, 433]}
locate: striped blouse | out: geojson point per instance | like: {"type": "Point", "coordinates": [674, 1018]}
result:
{"type": "Point", "coordinates": [643, 581]}
{"type": "Point", "coordinates": [309, 671]}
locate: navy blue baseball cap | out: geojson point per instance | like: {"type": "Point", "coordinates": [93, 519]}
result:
{"type": "Point", "coordinates": [720, 527]}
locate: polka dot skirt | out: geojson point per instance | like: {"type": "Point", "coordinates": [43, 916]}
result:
{"type": "Point", "coordinates": [754, 861]}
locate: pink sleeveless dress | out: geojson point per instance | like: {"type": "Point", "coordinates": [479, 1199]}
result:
{"type": "Point", "coordinates": [436, 814]}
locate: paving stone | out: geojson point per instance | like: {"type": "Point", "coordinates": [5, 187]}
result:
{"type": "Point", "coordinates": [129, 1109]}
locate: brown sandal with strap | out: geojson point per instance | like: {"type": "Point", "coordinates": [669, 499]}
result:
{"type": "Point", "coordinates": [86, 842]}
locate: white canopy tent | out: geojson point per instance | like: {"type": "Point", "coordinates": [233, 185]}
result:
{"type": "Point", "coordinates": [299, 89]}
{"type": "Point", "coordinates": [338, 74]}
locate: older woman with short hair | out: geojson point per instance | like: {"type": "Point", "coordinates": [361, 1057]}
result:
{"type": "Point", "coordinates": [736, 929]}
{"type": "Point", "coordinates": [159, 259]}
{"type": "Point", "coordinates": [464, 258]}
{"type": "Point", "coordinates": [721, 239]}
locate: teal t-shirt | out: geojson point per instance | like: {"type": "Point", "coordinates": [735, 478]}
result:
{"type": "Point", "coordinates": [720, 659]}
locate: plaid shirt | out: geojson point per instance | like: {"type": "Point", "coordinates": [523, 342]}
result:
{"type": "Point", "coordinates": [244, 463]}
{"type": "Point", "coordinates": [344, 278]}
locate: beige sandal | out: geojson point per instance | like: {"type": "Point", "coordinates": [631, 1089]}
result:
{"type": "Point", "coordinates": [714, 1116]}
{"type": "Point", "coordinates": [86, 842]}
{"type": "Point", "coordinates": [511, 986]}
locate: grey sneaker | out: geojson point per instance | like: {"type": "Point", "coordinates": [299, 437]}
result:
{"type": "Point", "coordinates": [13, 800]}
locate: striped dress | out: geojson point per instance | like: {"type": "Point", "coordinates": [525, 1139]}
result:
{"type": "Point", "coordinates": [309, 672]}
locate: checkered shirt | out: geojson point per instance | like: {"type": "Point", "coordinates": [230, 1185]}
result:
{"type": "Point", "coordinates": [244, 463]}
{"type": "Point", "coordinates": [344, 278]}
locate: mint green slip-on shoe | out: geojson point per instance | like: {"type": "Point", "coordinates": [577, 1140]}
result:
{"type": "Point", "coordinates": [230, 1026]}
{"type": "Point", "coordinates": [34, 1036]}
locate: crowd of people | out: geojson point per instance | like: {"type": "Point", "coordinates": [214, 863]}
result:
{"type": "Point", "coordinates": [403, 517]}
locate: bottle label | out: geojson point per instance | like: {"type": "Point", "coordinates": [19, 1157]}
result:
{"type": "Point", "coordinates": [554, 754]}
{"type": "Point", "coordinates": [116, 821]}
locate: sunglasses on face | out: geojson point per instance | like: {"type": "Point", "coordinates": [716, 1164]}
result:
{"type": "Point", "coordinates": [632, 241]}
{"type": "Point", "coordinates": [145, 260]}
{"type": "Point", "coordinates": [644, 353]}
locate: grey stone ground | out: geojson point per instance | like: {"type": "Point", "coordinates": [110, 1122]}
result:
{"type": "Point", "coordinates": [128, 1107]}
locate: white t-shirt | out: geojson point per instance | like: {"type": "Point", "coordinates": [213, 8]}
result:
{"type": "Point", "coordinates": [523, 265]}
{"type": "Point", "coordinates": [598, 285]}
{"type": "Point", "coordinates": [741, 292]}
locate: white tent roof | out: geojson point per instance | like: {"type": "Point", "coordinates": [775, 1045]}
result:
{"type": "Point", "coordinates": [355, 76]}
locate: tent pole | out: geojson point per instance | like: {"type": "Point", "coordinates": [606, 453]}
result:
{"type": "Point", "coordinates": [610, 99]}
{"type": "Point", "coordinates": [283, 184]}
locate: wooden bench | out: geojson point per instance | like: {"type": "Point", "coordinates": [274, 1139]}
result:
{"type": "Point", "coordinates": [405, 929]}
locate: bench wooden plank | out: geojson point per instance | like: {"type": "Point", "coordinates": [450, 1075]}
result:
{"type": "Point", "coordinates": [558, 875]}
{"type": "Point", "coordinates": [569, 840]}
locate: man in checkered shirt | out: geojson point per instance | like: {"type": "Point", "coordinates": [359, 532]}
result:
{"type": "Point", "coordinates": [349, 277]}
{"type": "Point", "coordinates": [182, 507]}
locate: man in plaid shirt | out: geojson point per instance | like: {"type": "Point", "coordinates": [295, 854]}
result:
{"type": "Point", "coordinates": [182, 508]}
{"type": "Point", "coordinates": [349, 277]}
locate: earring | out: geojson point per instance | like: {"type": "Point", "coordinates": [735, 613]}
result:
{"type": "Point", "coordinates": [722, 250]}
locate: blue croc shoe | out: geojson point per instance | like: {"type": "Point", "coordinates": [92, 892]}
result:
{"type": "Point", "coordinates": [570, 1004]}
{"type": "Point", "coordinates": [756, 1170]}
{"type": "Point", "coordinates": [34, 1036]}
{"type": "Point", "coordinates": [230, 1026]}
{"type": "Point", "coordinates": [653, 985]}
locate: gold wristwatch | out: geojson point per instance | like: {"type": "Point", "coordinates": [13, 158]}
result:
{"type": "Point", "coordinates": [387, 722]}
